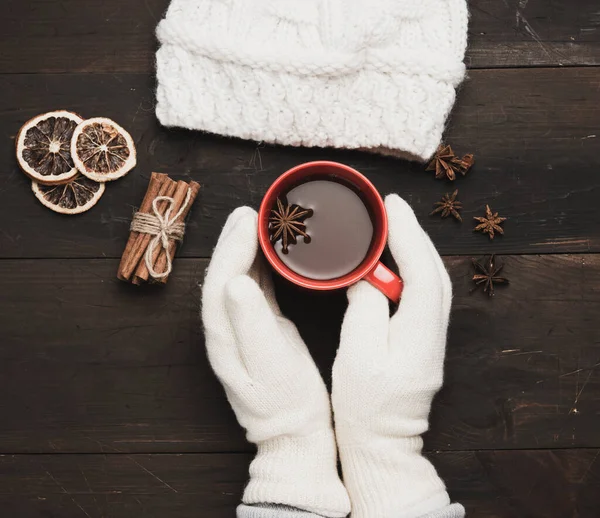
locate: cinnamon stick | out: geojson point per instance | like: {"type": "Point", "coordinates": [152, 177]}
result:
{"type": "Point", "coordinates": [141, 273]}
{"type": "Point", "coordinates": [141, 242]}
{"type": "Point", "coordinates": [125, 266]}
{"type": "Point", "coordinates": [161, 262]}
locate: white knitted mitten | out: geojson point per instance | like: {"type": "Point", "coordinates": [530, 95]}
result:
{"type": "Point", "coordinates": [385, 375]}
{"type": "Point", "coordinates": [270, 379]}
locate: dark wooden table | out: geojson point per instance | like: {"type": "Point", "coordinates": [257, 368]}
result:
{"type": "Point", "coordinates": [108, 407]}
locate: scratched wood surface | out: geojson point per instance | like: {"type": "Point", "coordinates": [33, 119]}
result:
{"type": "Point", "coordinates": [491, 484]}
{"type": "Point", "coordinates": [110, 368]}
{"type": "Point", "coordinates": [108, 406]}
{"type": "Point", "coordinates": [533, 132]}
{"type": "Point", "coordinates": [115, 36]}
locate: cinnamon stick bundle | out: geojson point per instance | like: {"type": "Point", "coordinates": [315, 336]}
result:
{"type": "Point", "coordinates": [164, 215]}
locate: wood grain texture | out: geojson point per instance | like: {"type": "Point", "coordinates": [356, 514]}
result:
{"type": "Point", "coordinates": [534, 134]}
{"type": "Point", "coordinates": [505, 484]}
{"type": "Point", "coordinates": [110, 36]}
{"type": "Point", "coordinates": [91, 364]}
{"type": "Point", "coordinates": [516, 33]}
{"type": "Point", "coordinates": [109, 407]}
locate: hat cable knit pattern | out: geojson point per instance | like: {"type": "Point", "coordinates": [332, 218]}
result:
{"type": "Point", "coordinates": [375, 74]}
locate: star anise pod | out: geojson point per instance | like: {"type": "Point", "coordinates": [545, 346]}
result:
{"type": "Point", "coordinates": [486, 275]}
{"type": "Point", "coordinates": [448, 205]}
{"type": "Point", "coordinates": [441, 163]}
{"type": "Point", "coordinates": [463, 164]}
{"type": "Point", "coordinates": [287, 222]}
{"type": "Point", "coordinates": [446, 164]}
{"type": "Point", "coordinates": [490, 223]}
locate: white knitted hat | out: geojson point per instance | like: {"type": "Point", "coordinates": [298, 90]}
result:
{"type": "Point", "coordinates": [376, 74]}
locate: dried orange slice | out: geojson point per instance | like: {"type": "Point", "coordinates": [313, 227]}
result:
{"type": "Point", "coordinates": [44, 147]}
{"type": "Point", "coordinates": [75, 197]}
{"type": "Point", "coordinates": [102, 150]}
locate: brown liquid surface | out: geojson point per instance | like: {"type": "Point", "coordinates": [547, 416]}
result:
{"type": "Point", "coordinates": [341, 231]}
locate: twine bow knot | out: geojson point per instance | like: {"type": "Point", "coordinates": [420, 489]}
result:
{"type": "Point", "coordinates": [164, 228]}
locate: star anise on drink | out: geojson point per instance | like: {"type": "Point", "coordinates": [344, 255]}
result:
{"type": "Point", "coordinates": [490, 223]}
{"type": "Point", "coordinates": [487, 274]}
{"type": "Point", "coordinates": [287, 223]}
{"type": "Point", "coordinates": [448, 205]}
{"type": "Point", "coordinates": [446, 164]}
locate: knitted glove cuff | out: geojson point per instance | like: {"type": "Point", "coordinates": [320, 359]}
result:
{"type": "Point", "coordinates": [299, 471]}
{"type": "Point", "coordinates": [391, 478]}
{"type": "Point", "coordinates": [275, 511]}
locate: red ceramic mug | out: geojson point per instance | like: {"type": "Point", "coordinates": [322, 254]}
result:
{"type": "Point", "coordinates": [371, 269]}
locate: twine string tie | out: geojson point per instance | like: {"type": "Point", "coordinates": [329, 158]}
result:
{"type": "Point", "coordinates": [164, 228]}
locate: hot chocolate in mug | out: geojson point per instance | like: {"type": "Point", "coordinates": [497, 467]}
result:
{"type": "Point", "coordinates": [342, 226]}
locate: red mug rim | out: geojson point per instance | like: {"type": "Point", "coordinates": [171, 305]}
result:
{"type": "Point", "coordinates": [375, 204]}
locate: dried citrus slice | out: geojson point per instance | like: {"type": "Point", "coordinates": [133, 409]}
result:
{"type": "Point", "coordinates": [102, 150]}
{"type": "Point", "coordinates": [44, 147]}
{"type": "Point", "coordinates": [75, 197]}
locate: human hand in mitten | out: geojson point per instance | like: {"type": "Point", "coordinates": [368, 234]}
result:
{"type": "Point", "coordinates": [385, 375]}
{"type": "Point", "coordinates": [270, 379]}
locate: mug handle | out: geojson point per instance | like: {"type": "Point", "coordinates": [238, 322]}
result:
{"type": "Point", "coordinates": [386, 281]}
